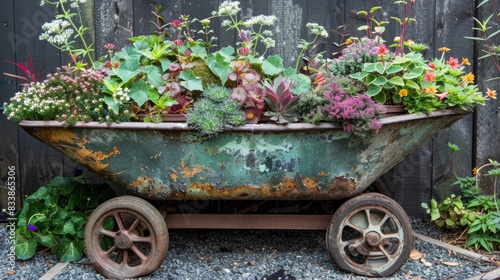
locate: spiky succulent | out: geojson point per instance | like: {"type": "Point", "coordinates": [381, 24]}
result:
{"type": "Point", "coordinates": [280, 100]}
{"type": "Point", "coordinates": [215, 110]}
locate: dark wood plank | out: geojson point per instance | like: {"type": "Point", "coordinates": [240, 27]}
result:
{"type": "Point", "coordinates": [114, 23]}
{"type": "Point", "coordinates": [488, 117]}
{"type": "Point", "coordinates": [8, 130]}
{"type": "Point", "coordinates": [37, 162]}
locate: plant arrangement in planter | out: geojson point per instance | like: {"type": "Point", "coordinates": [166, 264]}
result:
{"type": "Point", "coordinates": [162, 74]}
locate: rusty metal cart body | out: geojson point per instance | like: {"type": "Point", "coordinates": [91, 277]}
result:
{"type": "Point", "coordinates": [369, 234]}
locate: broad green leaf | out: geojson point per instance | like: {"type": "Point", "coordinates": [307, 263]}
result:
{"type": "Point", "coordinates": [199, 50]}
{"type": "Point", "coordinates": [373, 90]}
{"type": "Point", "coordinates": [394, 69]}
{"type": "Point", "coordinates": [45, 238]}
{"type": "Point", "coordinates": [219, 66]}
{"type": "Point", "coordinates": [398, 81]}
{"type": "Point", "coordinates": [70, 251]}
{"type": "Point", "coordinates": [358, 75]}
{"type": "Point", "coordinates": [25, 247]}
{"type": "Point", "coordinates": [65, 228]}
{"type": "Point", "coordinates": [379, 67]}
{"type": "Point", "coordinates": [139, 92]}
{"type": "Point", "coordinates": [128, 69]}
{"type": "Point", "coordinates": [302, 83]}
{"type": "Point", "coordinates": [273, 65]}
{"type": "Point", "coordinates": [410, 76]}
{"type": "Point", "coordinates": [370, 78]}
{"type": "Point", "coordinates": [165, 63]}
{"type": "Point", "coordinates": [413, 85]}
{"type": "Point", "coordinates": [380, 98]}
{"type": "Point", "coordinates": [369, 67]}
{"type": "Point", "coordinates": [379, 81]}
{"type": "Point", "coordinates": [153, 74]}
{"type": "Point", "coordinates": [190, 81]}
{"type": "Point", "coordinates": [227, 52]}
{"type": "Point", "coordinates": [111, 103]}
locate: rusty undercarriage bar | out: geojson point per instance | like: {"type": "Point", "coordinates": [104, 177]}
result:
{"type": "Point", "coordinates": [247, 221]}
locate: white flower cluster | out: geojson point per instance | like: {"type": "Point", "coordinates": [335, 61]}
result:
{"type": "Point", "coordinates": [317, 29]}
{"type": "Point", "coordinates": [268, 42]}
{"type": "Point", "coordinates": [121, 95]}
{"type": "Point", "coordinates": [75, 3]}
{"type": "Point", "coordinates": [31, 99]}
{"type": "Point", "coordinates": [56, 32]}
{"type": "Point", "coordinates": [229, 8]}
{"type": "Point", "coordinates": [226, 23]}
{"type": "Point", "coordinates": [261, 20]}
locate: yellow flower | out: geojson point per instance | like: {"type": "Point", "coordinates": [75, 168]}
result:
{"type": "Point", "coordinates": [430, 90]}
{"type": "Point", "coordinates": [467, 79]}
{"type": "Point", "coordinates": [410, 42]}
{"type": "Point", "coordinates": [491, 93]}
{"type": "Point", "coordinates": [465, 61]}
{"type": "Point", "coordinates": [348, 41]}
{"type": "Point", "coordinates": [444, 49]}
{"type": "Point", "coordinates": [475, 171]}
{"type": "Point", "coordinates": [403, 93]}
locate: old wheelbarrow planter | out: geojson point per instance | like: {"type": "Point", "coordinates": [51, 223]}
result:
{"type": "Point", "coordinates": [370, 234]}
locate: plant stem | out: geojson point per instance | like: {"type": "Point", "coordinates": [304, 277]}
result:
{"type": "Point", "coordinates": [78, 31]}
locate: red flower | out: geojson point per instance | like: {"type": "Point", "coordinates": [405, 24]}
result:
{"type": "Point", "coordinates": [431, 65]}
{"type": "Point", "coordinates": [453, 62]}
{"type": "Point", "coordinates": [382, 50]}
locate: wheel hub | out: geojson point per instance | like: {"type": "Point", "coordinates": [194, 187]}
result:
{"type": "Point", "coordinates": [372, 238]}
{"type": "Point", "coordinates": [123, 241]}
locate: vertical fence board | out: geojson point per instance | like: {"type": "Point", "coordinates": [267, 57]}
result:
{"type": "Point", "coordinates": [38, 163]}
{"type": "Point", "coordinates": [488, 117]}
{"type": "Point", "coordinates": [8, 136]}
{"type": "Point", "coordinates": [454, 21]}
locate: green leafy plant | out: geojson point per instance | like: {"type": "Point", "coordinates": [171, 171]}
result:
{"type": "Point", "coordinates": [55, 216]}
{"type": "Point", "coordinates": [479, 214]}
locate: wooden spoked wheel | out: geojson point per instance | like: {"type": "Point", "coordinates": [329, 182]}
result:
{"type": "Point", "coordinates": [126, 237]}
{"type": "Point", "coordinates": [370, 235]}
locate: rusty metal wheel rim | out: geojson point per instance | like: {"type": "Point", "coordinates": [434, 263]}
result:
{"type": "Point", "coordinates": [371, 238]}
{"type": "Point", "coordinates": [133, 242]}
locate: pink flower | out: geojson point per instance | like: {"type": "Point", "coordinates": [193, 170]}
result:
{"type": "Point", "coordinates": [178, 42]}
{"type": "Point", "coordinates": [109, 46]}
{"type": "Point", "coordinates": [243, 51]}
{"type": "Point", "coordinates": [453, 62]}
{"type": "Point", "coordinates": [176, 23]}
{"type": "Point", "coordinates": [430, 76]}
{"type": "Point", "coordinates": [441, 96]}
{"type": "Point", "coordinates": [431, 65]}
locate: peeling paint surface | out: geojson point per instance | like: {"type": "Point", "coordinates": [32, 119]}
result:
{"type": "Point", "coordinates": [290, 164]}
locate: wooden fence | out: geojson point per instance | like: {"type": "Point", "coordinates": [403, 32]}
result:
{"type": "Point", "coordinates": [422, 175]}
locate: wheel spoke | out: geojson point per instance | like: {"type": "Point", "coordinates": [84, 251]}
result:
{"type": "Point", "coordinates": [134, 224]}
{"type": "Point", "coordinates": [386, 217]}
{"type": "Point", "coordinates": [368, 218]}
{"type": "Point", "coordinates": [106, 232]}
{"type": "Point", "coordinates": [138, 253]}
{"type": "Point", "coordinates": [353, 226]}
{"type": "Point", "coordinates": [111, 250]}
{"type": "Point", "coordinates": [395, 235]}
{"type": "Point", "coordinates": [381, 248]}
{"type": "Point", "coordinates": [125, 258]}
{"type": "Point", "coordinates": [118, 220]}
{"type": "Point", "coordinates": [142, 239]}
{"type": "Point", "coordinates": [347, 243]}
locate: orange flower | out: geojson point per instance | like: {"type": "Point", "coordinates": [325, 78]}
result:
{"type": "Point", "coordinates": [403, 93]}
{"type": "Point", "coordinates": [430, 90]}
{"type": "Point", "coordinates": [465, 61]}
{"type": "Point", "coordinates": [348, 41]}
{"type": "Point", "coordinates": [444, 49]}
{"type": "Point", "coordinates": [475, 171]}
{"type": "Point", "coordinates": [491, 93]}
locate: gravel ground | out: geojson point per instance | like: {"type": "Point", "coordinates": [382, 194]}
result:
{"type": "Point", "coordinates": [256, 254]}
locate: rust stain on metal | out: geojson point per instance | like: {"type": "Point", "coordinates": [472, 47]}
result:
{"type": "Point", "coordinates": [288, 188]}
{"type": "Point", "coordinates": [74, 145]}
{"type": "Point", "coordinates": [189, 172]}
